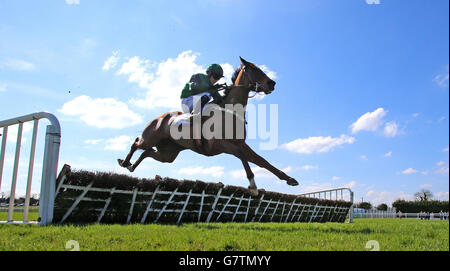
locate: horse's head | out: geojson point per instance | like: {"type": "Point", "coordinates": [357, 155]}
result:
{"type": "Point", "coordinates": [251, 75]}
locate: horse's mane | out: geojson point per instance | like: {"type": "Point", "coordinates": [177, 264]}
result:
{"type": "Point", "coordinates": [235, 74]}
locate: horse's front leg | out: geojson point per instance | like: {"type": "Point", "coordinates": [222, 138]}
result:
{"type": "Point", "coordinates": [251, 177]}
{"type": "Point", "coordinates": [253, 157]}
{"type": "Point", "coordinates": [236, 150]}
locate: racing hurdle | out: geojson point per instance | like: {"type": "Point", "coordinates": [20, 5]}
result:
{"type": "Point", "coordinates": [83, 196]}
{"type": "Point", "coordinates": [87, 197]}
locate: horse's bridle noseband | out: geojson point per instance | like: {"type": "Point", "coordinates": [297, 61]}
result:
{"type": "Point", "coordinates": [253, 85]}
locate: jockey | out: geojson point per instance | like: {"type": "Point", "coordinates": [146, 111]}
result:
{"type": "Point", "coordinates": [198, 92]}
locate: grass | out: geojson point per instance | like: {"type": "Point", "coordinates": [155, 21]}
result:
{"type": "Point", "coordinates": [391, 234]}
{"type": "Point", "coordinates": [18, 216]}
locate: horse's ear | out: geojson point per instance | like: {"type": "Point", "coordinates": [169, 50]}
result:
{"type": "Point", "coordinates": [244, 61]}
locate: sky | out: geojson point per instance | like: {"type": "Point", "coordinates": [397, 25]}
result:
{"type": "Point", "coordinates": [361, 89]}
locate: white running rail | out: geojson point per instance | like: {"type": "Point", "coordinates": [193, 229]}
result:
{"type": "Point", "coordinates": [49, 168]}
{"type": "Point", "coordinates": [337, 194]}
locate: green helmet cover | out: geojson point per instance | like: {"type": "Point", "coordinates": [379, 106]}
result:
{"type": "Point", "coordinates": [215, 70]}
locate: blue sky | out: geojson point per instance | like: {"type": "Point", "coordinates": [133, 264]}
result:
{"type": "Point", "coordinates": [362, 90]}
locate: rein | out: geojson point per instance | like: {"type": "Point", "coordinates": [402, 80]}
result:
{"type": "Point", "coordinates": [250, 87]}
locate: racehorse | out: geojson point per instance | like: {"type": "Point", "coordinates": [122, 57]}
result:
{"type": "Point", "coordinates": [248, 77]}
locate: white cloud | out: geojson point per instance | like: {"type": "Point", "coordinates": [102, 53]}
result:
{"type": "Point", "coordinates": [415, 115]}
{"type": "Point", "coordinates": [2, 87]}
{"type": "Point", "coordinates": [119, 143]}
{"type": "Point", "coordinates": [73, 2]}
{"type": "Point", "coordinates": [336, 178]}
{"type": "Point", "coordinates": [391, 129]}
{"type": "Point", "coordinates": [165, 84]}
{"type": "Point", "coordinates": [308, 167]}
{"type": "Point", "coordinates": [440, 163]}
{"type": "Point", "coordinates": [445, 149]}
{"type": "Point", "coordinates": [363, 157]}
{"type": "Point", "coordinates": [258, 171]}
{"type": "Point", "coordinates": [317, 144]}
{"type": "Point", "coordinates": [101, 112]}
{"type": "Point", "coordinates": [93, 141]}
{"type": "Point", "coordinates": [18, 65]}
{"type": "Point", "coordinates": [442, 170]}
{"type": "Point", "coordinates": [136, 69]}
{"type": "Point", "coordinates": [442, 79]}
{"type": "Point", "coordinates": [215, 171]}
{"type": "Point", "coordinates": [426, 185]}
{"type": "Point", "coordinates": [112, 61]}
{"type": "Point", "coordinates": [370, 121]}
{"type": "Point", "coordinates": [388, 154]}
{"type": "Point", "coordinates": [409, 171]}
{"type": "Point", "coordinates": [425, 172]}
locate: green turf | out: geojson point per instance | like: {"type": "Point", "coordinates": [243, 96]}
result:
{"type": "Point", "coordinates": [18, 216]}
{"type": "Point", "coordinates": [391, 234]}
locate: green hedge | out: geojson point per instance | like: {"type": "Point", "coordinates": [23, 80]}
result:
{"type": "Point", "coordinates": [431, 206]}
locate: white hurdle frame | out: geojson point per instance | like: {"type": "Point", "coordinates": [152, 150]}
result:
{"type": "Point", "coordinates": [317, 194]}
{"type": "Point", "coordinates": [49, 168]}
{"type": "Point", "coordinates": [217, 205]}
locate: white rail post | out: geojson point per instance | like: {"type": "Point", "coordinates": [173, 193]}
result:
{"type": "Point", "coordinates": [12, 195]}
{"type": "Point", "coordinates": [50, 167]}
{"type": "Point", "coordinates": [30, 171]}
{"type": "Point", "coordinates": [2, 153]}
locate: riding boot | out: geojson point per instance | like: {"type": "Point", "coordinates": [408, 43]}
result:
{"type": "Point", "coordinates": [197, 134]}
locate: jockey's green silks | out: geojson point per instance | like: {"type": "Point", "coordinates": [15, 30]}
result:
{"type": "Point", "coordinates": [199, 83]}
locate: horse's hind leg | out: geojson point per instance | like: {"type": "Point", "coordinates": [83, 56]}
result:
{"type": "Point", "coordinates": [134, 147]}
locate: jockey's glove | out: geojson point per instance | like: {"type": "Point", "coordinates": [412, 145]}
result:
{"type": "Point", "coordinates": [216, 96]}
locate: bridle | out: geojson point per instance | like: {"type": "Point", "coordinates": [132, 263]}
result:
{"type": "Point", "coordinates": [253, 85]}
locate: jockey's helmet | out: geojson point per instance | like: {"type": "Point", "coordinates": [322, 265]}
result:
{"type": "Point", "coordinates": [215, 71]}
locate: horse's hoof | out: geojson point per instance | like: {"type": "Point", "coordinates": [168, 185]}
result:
{"type": "Point", "coordinates": [253, 191]}
{"type": "Point", "coordinates": [122, 163]}
{"type": "Point", "coordinates": [292, 182]}
{"type": "Point", "coordinates": [130, 168]}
